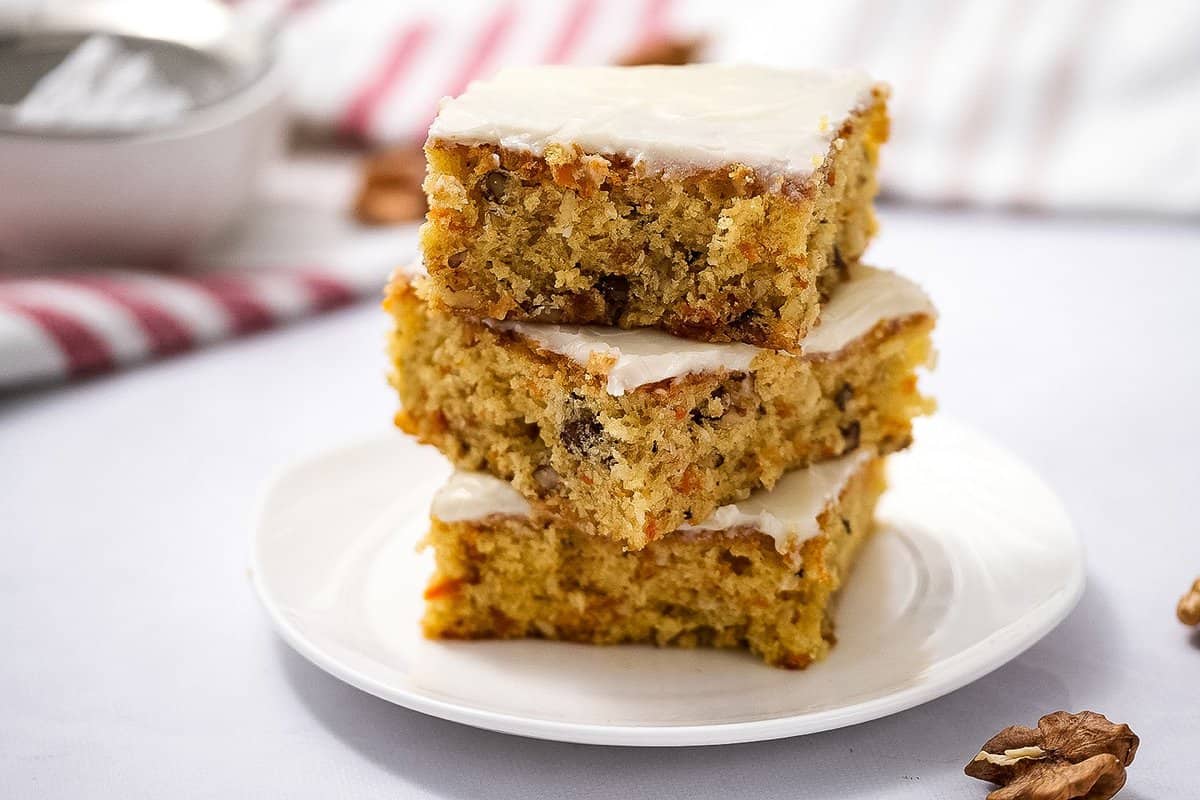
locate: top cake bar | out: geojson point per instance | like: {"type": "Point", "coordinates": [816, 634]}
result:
{"type": "Point", "coordinates": [717, 202]}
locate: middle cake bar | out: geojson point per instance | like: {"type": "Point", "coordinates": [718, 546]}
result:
{"type": "Point", "coordinates": [633, 434]}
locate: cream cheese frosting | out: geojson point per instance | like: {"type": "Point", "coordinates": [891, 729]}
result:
{"type": "Point", "coordinates": [780, 122]}
{"type": "Point", "coordinates": [857, 305]}
{"type": "Point", "coordinates": [788, 512]}
{"type": "Point", "coordinates": [641, 356]}
{"type": "Point", "coordinates": [476, 495]}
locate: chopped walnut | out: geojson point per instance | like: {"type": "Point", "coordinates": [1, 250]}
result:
{"type": "Point", "coordinates": [1066, 757]}
{"type": "Point", "coordinates": [1188, 609]}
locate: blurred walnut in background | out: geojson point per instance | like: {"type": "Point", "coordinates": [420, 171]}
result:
{"type": "Point", "coordinates": [390, 192]}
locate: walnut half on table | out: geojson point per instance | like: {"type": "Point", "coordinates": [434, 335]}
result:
{"type": "Point", "coordinates": [1188, 609]}
{"type": "Point", "coordinates": [1066, 757]}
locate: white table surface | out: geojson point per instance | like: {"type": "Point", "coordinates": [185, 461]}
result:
{"type": "Point", "coordinates": [137, 663]}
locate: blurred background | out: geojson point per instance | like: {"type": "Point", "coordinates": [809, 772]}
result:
{"type": "Point", "coordinates": [200, 170]}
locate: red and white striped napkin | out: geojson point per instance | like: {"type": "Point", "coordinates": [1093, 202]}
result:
{"type": "Point", "coordinates": [372, 70]}
{"type": "Point", "coordinates": [73, 324]}
{"type": "Point", "coordinates": [297, 254]}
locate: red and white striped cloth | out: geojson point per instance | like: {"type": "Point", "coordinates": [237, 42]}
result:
{"type": "Point", "coordinates": [298, 254]}
{"type": "Point", "coordinates": [73, 324]}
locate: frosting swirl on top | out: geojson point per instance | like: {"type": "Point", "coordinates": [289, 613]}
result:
{"type": "Point", "coordinates": [779, 122]}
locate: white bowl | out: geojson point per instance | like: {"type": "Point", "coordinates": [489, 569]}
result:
{"type": "Point", "coordinates": [141, 197]}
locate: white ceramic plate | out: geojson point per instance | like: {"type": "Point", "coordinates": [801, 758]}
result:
{"type": "Point", "coordinates": [974, 561]}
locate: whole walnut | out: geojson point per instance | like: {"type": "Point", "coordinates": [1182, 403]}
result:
{"type": "Point", "coordinates": [1066, 757]}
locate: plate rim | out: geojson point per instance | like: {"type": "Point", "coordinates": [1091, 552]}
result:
{"type": "Point", "coordinates": [981, 658]}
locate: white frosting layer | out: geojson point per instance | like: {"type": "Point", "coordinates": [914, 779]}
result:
{"type": "Point", "coordinates": [475, 495]}
{"type": "Point", "coordinates": [780, 122]}
{"type": "Point", "coordinates": [633, 358]}
{"type": "Point", "coordinates": [787, 513]}
{"type": "Point", "coordinates": [870, 296]}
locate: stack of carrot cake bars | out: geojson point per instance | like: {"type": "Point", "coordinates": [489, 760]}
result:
{"type": "Point", "coordinates": [644, 336]}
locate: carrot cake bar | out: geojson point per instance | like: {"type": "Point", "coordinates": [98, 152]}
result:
{"type": "Point", "coordinates": [717, 202]}
{"type": "Point", "coordinates": [632, 434]}
{"type": "Point", "coordinates": [760, 574]}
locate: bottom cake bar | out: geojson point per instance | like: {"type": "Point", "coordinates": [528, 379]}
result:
{"type": "Point", "coordinates": [760, 574]}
